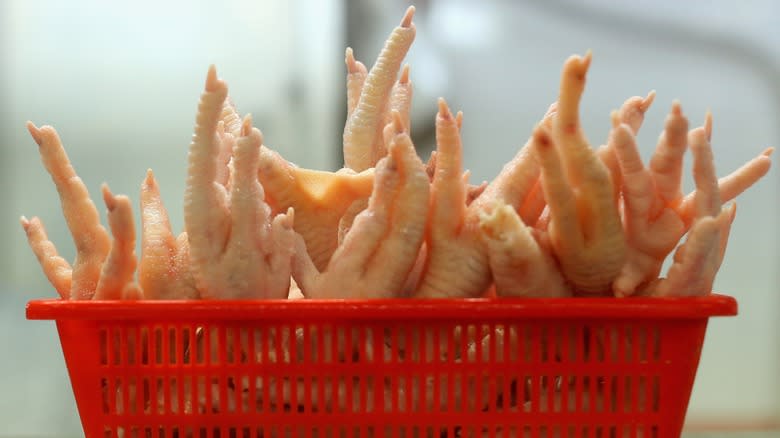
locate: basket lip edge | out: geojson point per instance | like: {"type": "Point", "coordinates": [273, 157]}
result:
{"type": "Point", "coordinates": [671, 308]}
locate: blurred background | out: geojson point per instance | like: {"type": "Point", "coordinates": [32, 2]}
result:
{"type": "Point", "coordinates": [121, 80]}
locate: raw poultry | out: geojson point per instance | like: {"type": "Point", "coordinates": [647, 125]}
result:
{"type": "Point", "coordinates": [238, 249]}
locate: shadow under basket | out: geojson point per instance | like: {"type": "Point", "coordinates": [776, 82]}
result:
{"type": "Point", "coordinates": [579, 367]}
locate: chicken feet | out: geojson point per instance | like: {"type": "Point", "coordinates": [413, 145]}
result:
{"type": "Point", "coordinates": [585, 230]}
{"type": "Point", "coordinates": [237, 249]}
{"type": "Point", "coordinates": [90, 237]}
{"type": "Point", "coordinates": [164, 271]}
{"type": "Point", "coordinates": [363, 139]}
{"type": "Point", "coordinates": [455, 264]}
{"type": "Point", "coordinates": [696, 262]}
{"type": "Point", "coordinates": [655, 214]}
{"type": "Point", "coordinates": [379, 250]}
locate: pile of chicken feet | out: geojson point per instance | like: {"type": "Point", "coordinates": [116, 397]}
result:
{"type": "Point", "coordinates": [561, 219]}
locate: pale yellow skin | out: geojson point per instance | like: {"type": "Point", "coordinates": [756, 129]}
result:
{"type": "Point", "coordinates": [164, 271]}
{"type": "Point", "coordinates": [655, 213]}
{"type": "Point", "coordinates": [102, 270]}
{"type": "Point", "coordinates": [238, 250]}
{"type": "Point", "coordinates": [105, 270]}
{"type": "Point", "coordinates": [379, 250]}
{"type": "Point", "coordinates": [326, 203]}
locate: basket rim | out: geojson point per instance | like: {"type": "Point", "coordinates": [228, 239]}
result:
{"type": "Point", "coordinates": [634, 308]}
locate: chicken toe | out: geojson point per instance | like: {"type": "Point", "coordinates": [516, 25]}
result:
{"type": "Point", "coordinates": [90, 237]}
{"type": "Point", "coordinates": [57, 269]}
{"type": "Point", "coordinates": [118, 270]}
{"type": "Point", "coordinates": [585, 229]}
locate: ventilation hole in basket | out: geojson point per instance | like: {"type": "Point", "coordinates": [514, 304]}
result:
{"type": "Point", "coordinates": [285, 339]}
{"type": "Point", "coordinates": [509, 344]}
{"type": "Point", "coordinates": [324, 396]}
{"type": "Point", "coordinates": [502, 396]}
{"type": "Point", "coordinates": [489, 344]}
{"type": "Point", "coordinates": [413, 345]}
{"type": "Point", "coordinates": [444, 402]}
{"type": "Point", "coordinates": [540, 345]}
{"type": "Point", "coordinates": [113, 346]}
{"type": "Point", "coordinates": [655, 395]}
{"type": "Point", "coordinates": [226, 339]}
{"type": "Point", "coordinates": [105, 391]}
{"type": "Point", "coordinates": [645, 393]}
{"type": "Point", "coordinates": [654, 432]}
{"type": "Point", "coordinates": [469, 347]}
{"type": "Point", "coordinates": [586, 342]}
{"type": "Point", "coordinates": [443, 347]}
{"type": "Point", "coordinates": [566, 394]}
{"type": "Point", "coordinates": [185, 345]}
{"type": "Point", "coordinates": [103, 336]}
{"type": "Point", "coordinates": [158, 397]}
{"type": "Point", "coordinates": [625, 344]}
{"type": "Point", "coordinates": [425, 344]}
{"type": "Point", "coordinates": [218, 345]}
{"type": "Point", "coordinates": [611, 343]}
{"type": "Point", "coordinates": [498, 334]}
{"type": "Point", "coordinates": [130, 344]}
{"type": "Point", "coordinates": [174, 346]}
{"type": "Point", "coordinates": [132, 395]}
{"type": "Point", "coordinates": [603, 345]}
{"type": "Point", "coordinates": [656, 336]}
{"type": "Point", "coordinates": [534, 344]}
{"type": "Point", "coordinates": [116, 393]}
{"type": "Point", "coordinates": [609, 391]}
{"type": "Point", "coordinates": [325, 347]}
{"type": "Point", "coordinates": [366, 344]}
{"type": "Point", "coordinates": [157, 346]}
{"type": "Point", "coordinates": [241, 345]}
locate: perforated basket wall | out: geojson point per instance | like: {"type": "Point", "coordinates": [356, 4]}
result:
{"type": "Point", "coordinates": [468, 368]}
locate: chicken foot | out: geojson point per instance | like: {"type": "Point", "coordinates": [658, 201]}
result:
{"type": "Point", "coordinates": [237, 249]}
{"type": "Point", "coordinates": [655, 214]}
{"type": "Point", "coordinates": [379, 250]}
{"type": "Point", "coordinates": [585, 231]}
{"type": "Point", "coordinates": [164, 272]}
{"type": "Point", "coordinates": [697, 260]}
{"type": "Point", "coordinates": [91, 239]}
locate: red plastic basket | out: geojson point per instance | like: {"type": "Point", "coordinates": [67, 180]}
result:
{"type": "Point", "coordinates": [400, 368]}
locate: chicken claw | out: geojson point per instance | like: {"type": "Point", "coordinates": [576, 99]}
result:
{"type": "Point", "coordinates": [90, 237]}
{"type": "Point", "coordinates": [379, 250]}
{"type": "Point", "coordinates": [116, 278]}
{"type": "Point", "coordinates": [57, 269]}
{"type": "Point", "coordinates": [456, 264]}
{"type": "Point", "coordinates": [631, 113]}
{"type": "Point", "coordinates": [363, 140]}
{"type": "Point", "coordinates": [696, 262]}
{"type": "Point", "coordinates": [585, 229]}
{"type": "Point", "coordinates": [655, 214]}
{"type": "Point", "coordinates": [520, 267]}
{"type": "Point", "coordinates": [356, 77]}
{"type": "Point", "coordinates": [164, 271]}
{"type": "Point", "coordinates": [236, 249]}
